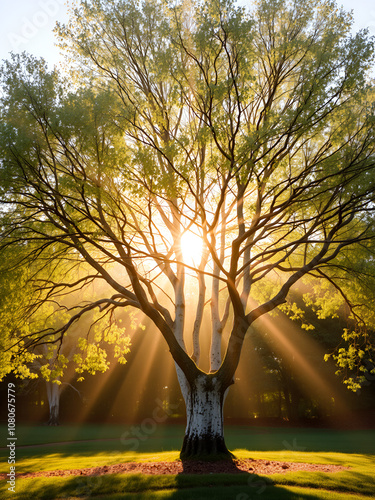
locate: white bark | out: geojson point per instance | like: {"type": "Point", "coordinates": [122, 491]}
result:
{"type": "Point", "coordinates": [206, 417]}
{"type": "Point", "coordinates": [215, 352]}
{"type": "Point", "coordinates": [179, 334]}
{"type": "Point", "coordinates": [217, 327]}
{"type": "Point", "coordinates": [53, 395]}
{"type": "Point", "coordinates": [200, 308]}
{"type": "Point", "coordinates": [215, 348]}
{"type": "Point", "coordinates": [205, 423]}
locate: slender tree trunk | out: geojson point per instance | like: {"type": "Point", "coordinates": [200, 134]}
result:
{"type": "Point", "coordinates": [53, 394]}
{"type": "Point", "coordinates": [204, 435]}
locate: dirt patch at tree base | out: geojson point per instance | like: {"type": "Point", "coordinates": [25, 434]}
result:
{"type": "Point", "coordinates": [191, 467]}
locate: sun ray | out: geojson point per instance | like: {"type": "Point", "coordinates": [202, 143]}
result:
{"type": "Point", "coordinates": [323, 389]}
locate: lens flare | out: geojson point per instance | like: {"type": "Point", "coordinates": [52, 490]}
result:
{"type": "Point", "coordinates": [191, 246]}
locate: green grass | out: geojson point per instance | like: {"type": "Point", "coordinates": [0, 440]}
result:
{"type": "Point", "coordinates": [170, 437]}
{"type": "Point", "coordinates": [215, 486]}
{"type": "Point", "coordinates": [90, 446]}
{"type": "Point", "coordinates": [136, 487]}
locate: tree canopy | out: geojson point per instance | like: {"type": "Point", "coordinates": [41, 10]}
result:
{"type": "Point", "coordinates": [249, 134]}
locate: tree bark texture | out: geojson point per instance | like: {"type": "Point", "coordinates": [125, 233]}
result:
{"type": "Point", "coordinates": [204, 435]}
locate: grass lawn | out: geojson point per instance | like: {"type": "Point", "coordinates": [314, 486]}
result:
{"type": "Point", "coordinates": [73, 447]}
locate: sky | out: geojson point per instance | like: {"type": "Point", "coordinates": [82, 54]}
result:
{"type": "Point", "coordinates": [26, 25]}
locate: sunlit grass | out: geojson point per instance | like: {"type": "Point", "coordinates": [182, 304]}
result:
{"type": "Point", "coordinates": [359, 479]}
{"type": "Point", "coordinates": [44, 461]}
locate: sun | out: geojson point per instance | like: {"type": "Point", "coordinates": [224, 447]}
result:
{"type": "Point", "coordinates": [191, 246]}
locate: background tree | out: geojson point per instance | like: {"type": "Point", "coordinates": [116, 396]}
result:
{"type": "Point", "coordinates": [249, 135]}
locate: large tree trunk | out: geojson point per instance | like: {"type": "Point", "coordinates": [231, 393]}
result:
{"type": "Point", "coordinates": [204, 435]}
{"type": "Point", "coordinates": [53, 393]}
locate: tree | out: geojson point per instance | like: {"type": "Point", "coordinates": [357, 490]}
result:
{"type": "Point", "coordinates": [82, 349]}
{"type": "Point", "coordinates": [200, 161]}
{"type": "Point", "coordinates": [44, 367]}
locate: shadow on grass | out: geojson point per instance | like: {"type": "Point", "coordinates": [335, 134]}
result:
{"type": "Point", "coordinates": [184, 486]}
{"type": "Point", "coordinates": [354, 482]}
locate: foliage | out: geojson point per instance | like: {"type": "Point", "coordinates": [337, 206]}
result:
{"type": "Point", "coordinates": [253, 130]}
{"type": "Point", "coordinates": [86, 344]}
